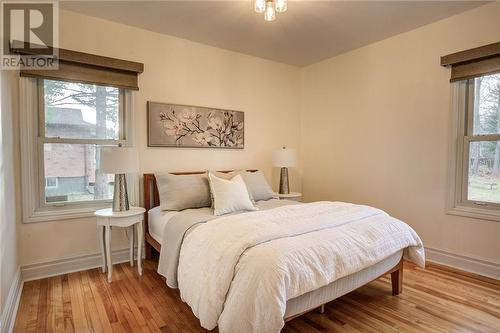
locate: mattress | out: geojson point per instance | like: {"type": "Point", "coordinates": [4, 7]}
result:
{"type": "Point", "coordinates": [157, 219]}
{"type": "Point", "coordinates": [340, 287]}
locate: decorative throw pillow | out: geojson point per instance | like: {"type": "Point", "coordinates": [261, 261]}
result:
{"type": "Point", "coordinates": [230, 195]}
{"type": "Point", "coordinates": [230, 175]}
{"type": "Point", "coordinates": [258, 187]}
{"type": "Point", "coordinates": [227, 175]}
{"type": "Point", "coordinates": [178, 192]}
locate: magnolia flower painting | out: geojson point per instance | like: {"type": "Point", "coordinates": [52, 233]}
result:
{"type": "Point", "coordinates": [172, 125]}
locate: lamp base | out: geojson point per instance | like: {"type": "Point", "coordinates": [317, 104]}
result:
{"type": "Point", "coordinates": [284, 189]}
{"type": "Point", "coordinates": [120, 195]}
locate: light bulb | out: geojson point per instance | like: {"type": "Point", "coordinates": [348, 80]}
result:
{"type": "Point", "coordinates": [259, 6]}
{"type": "Point", "coordinates": [269, 14]}
{"type": "Point", "coordinates": [280, 5]}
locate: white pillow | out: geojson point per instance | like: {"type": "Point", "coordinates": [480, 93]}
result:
{"type": "Point", "coordinates": [256, 183]}
{"type": "Point", "coordinates": [230, 175]}
{"type": "Point", "coordinates": [230, 195]}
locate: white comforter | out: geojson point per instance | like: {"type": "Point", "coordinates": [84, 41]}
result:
{"type": "Point", "coordinates": [238, 271]}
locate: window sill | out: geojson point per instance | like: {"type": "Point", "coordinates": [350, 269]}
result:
{"type": "Point", "coordinates": [473, 212]}
{"type": "Point", "coordinates": [63, 213]}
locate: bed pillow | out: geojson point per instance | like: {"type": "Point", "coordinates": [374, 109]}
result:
{"type": "Point", "coordinates": [178, 192]}
{"type": "Point", "coordinates": [230, 195]}
{"type": "Point", "coordinates": [256, 182]}
{"type": "Point", "coordinates": [230, 175]}
{"type": "Point", "coordinates": [258, 186]}
{"type": "Point", "coordinates": [227, 175]}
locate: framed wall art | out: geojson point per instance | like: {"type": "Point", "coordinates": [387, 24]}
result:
{"type": "Point", "coordinates": [174, 125]}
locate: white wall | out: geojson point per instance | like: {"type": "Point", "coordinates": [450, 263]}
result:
{"type": "Point", "coordinates": [8, 216]}
{"type": "Point", "coordinates": [184, 72]}
{"type": "Point", "coordinates": [376, 128]}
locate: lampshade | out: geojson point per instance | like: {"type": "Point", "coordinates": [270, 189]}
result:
{"type": "Point", "coordinates": [118, 160]}
{"type": "Point", "coordinates": [285, 158]}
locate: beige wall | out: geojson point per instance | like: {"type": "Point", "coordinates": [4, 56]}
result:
{"type": "Point", "coordinates": [184, 72]}
{"type": "Point", "coordinates": [376, 128]}
{"type": "Point", "coordinates": [8, 216]}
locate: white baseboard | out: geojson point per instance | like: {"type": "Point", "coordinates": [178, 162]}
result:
{"type": "Point", "coordinates": [468, 264]}
{"type": "Point", "coordinates": [11, 304]}
{"type": "Point", "coordinates": [71, 264]}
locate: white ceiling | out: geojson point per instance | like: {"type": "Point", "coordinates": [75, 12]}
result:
{"type": "Point", "coordinates": [308, 32]}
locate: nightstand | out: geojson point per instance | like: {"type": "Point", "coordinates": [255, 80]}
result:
{"type": "Point", "coordinates": [106, 219]}
{"type": "Point", "coordinates": [294, 196]}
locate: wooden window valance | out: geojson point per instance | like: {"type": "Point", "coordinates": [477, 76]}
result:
{"type": "Point", "coordinates": [475, 62]}
{"type": "Point", "coordinates": [86, 68]}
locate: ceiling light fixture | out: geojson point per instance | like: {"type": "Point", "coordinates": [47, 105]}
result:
{"type": "Point", "coordinates": [280, 6]}
{"type": "Point", "coordinates": [270, 8]}
{"type": "Point", "coordinates": [269, 14]}
{"type": "Point", "coordinates": [259, 6]}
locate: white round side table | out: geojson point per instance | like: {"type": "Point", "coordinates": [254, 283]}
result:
{"type": "Point", "coordinates": [106, 219]}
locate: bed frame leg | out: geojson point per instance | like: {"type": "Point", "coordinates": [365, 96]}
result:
{"type": "Point", "coordinates": [397, 281]}
{"type": "Point", "coordinates": [320, 309]}
{"type": "Point", "coordinates": [149, 251]}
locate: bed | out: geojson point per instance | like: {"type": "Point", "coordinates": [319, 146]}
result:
{"type": "Point", "coordinates": [156, 220]}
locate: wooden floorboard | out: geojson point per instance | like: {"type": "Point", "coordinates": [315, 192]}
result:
{"type": "Point", "coordinates": [437, 299]}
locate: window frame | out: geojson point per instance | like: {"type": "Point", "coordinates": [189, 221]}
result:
{"type": "Point", "coordinates": [463, 136]}
{"type": "Point", "coordinates": [32, 140]}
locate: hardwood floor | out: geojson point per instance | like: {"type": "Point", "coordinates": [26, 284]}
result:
{"type": "Point", "coordinates": [437, 299]}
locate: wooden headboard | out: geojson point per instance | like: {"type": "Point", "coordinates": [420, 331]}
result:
{"type": "Point", "coordinates": [152, 199]}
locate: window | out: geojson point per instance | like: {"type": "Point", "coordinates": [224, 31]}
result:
{"type": "Point", "coordinates": [476, 190]}
{"type": "Point", "coordinates": [67, 123]}
{"type": "Point", "coordinates": [76, 118]}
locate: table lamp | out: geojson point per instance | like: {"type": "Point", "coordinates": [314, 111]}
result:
{"type": "Point", "coordinates": [284, 158]}
{"type": "Point", "coordinates": [119, 160]}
